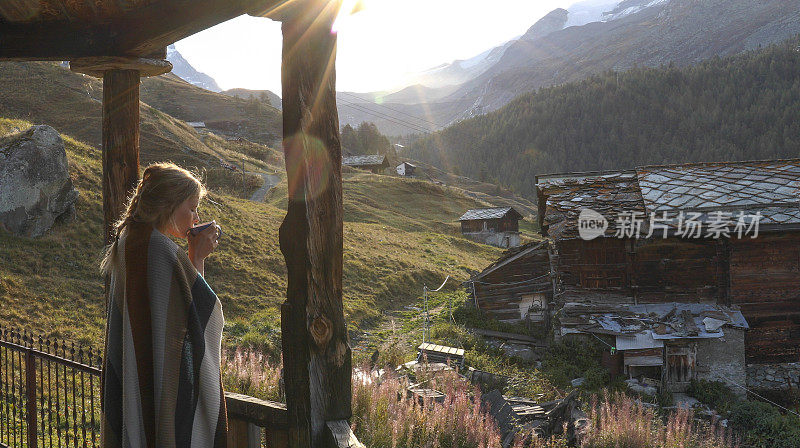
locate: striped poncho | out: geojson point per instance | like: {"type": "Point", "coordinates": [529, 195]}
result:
{"type": "Point", "coordinates": [161, 384]}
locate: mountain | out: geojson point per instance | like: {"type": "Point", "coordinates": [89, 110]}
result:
{"type": "Point", "coordinates": [741, 107]}
{"type": "Point", "coordinates": [271, 98]}
{"type": "Point", "coordinates": [184, 70]}
{"type": "Point", "coordinates": [599, 36]}
{"type": "Point", "coordinates": [72, 103]}
{"type": "Point", "coordinates": [553, 21]}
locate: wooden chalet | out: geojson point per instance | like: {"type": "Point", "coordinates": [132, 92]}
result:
{"type": "Point", "coordinates": [518, 286]}
{"type": "Point", "coordinates": [121, 42]}
{"type": "Point", "coordinates": [376, 163]}
{"type": "Point", "coordinates": [758, 276]}
{"type": "Point", "coordinates": [497, 226]}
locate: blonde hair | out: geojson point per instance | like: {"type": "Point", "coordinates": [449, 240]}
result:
{"type": "Point", "coordinates": [161, 190]}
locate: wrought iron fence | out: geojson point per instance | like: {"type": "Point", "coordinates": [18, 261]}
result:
{"type": "Point", "coordinates": [49, 392]}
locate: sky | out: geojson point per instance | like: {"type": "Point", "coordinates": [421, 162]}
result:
{"type": "Point", "coordinates": [377, 47]}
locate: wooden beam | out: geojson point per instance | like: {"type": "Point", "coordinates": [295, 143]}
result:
{"type": "Point", "coordinates": [98, 66]}
{"type": "Point", "coordinates": [152, 27]}
{"type": "Point", "coordinates": [139, 32]}
{"type": "Point", "coordinates": [19, 10]}
{"type": "Point", "coordinates": [120, 142]}
{"type": "Point", "coordinates": [316, 355]}
{"type": "Point", "coordinates": [54, 41]}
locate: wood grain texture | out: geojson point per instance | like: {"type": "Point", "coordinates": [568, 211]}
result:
{"type": "Point", "coordinates": [120, 142]}
{"type": "Point", "coordinates": [97, 66]}
{"type": "Point", "coordinates": [317, 357]}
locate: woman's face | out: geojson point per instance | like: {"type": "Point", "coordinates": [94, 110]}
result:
{"type": "Point", "coordinates": [185, 217]}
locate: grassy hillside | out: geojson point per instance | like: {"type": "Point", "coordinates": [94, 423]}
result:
{"type": "Point", "coordinates": [735, 108]}
{"type": "Point", "coordinates": [242, 116]}
{"type": "Point", "coordinates": [399, 234]}
{"type": "Point", "coordinates": [48, 93]}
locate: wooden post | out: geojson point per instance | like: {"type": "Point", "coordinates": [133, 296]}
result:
{"type": "Point", "coordinates": [316, 355]}
{"type": "Point", "coordinates": [120, 142]}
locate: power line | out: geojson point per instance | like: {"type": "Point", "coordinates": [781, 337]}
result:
{"type": "Point", "coordinates": [385, 116]}
{"type": "Point", "coordinates": [393, 110]}
{"type": "Point", "coordinates": [394, 120]}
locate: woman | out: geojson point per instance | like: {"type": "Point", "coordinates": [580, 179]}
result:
{"type": "Point", "coordinates": [161, 374]}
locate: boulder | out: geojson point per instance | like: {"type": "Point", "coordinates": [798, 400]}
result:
{"type": "Point", "coordinates": [522, 352]}
{"type": "Point", "coordinates": [578, 382]}
{"type": "Point", "coordinates": [35, 187]}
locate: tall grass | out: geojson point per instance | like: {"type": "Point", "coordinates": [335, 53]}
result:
{"type": "Point", "coordinates": [251, 373]}
{"type": "Point", "coordinates": [621, 422]}
{"type": "Point", "coordinates": [384, 415]}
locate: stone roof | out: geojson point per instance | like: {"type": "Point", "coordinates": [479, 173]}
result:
{"type": "Point", "coordinates": [707, 190]}
{"type": "Point", "coordinates": [488, 213]}
{"type": "Point", "coordinates": [609, 194]}
{"type": "Point", "coordinates": [367, 160]}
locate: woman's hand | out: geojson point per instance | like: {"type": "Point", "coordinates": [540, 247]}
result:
{"type": "Point", "coordinates": [201, 246]}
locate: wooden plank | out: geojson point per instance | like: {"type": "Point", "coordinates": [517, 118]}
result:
{"type": "Point", "coordinates": [54, 41]}
{"type": "Point", "coordinates": [317, 357]}
{"type": "Point", "coordinates": [120, 143]}
{"type": "Point", "coordinates": [508, 336]}
{"type": "Point", "coordinates": [161, 23]}
{"type": "Point", "coordinates": [140, 32]}
{"type": "Point", "coordinates": [19, 10]}
{"type": "Point", "coordinates": [264, 413]}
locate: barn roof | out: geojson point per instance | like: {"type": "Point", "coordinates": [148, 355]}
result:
{"type": "Point", "coordinates": [511, 255]}
{"type": "Point", "coordinates": [608, 193]}
{"type": "Point", "coordinates": [767, 187]}
{"type": "Point", "coordinates": [368, 160]}
{"type": "Point", "coordinates": [489, 213]}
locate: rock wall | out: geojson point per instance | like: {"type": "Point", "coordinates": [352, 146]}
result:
{"type": "Point", "coordinates": [499, 239]}
{"type": "Point", "coordinates": [722, 359]}
{"type": "Point", "coordinates": [774, 376]}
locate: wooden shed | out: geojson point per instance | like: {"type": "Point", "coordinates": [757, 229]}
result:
{"type": "Point", "coordinates": [518, 286]}
{"type": "Point", "coordinates": [658, 262]}
{"type": "Point", "coordinates": [497, 226]}
{"type": "Point", "coordinates": [122, 41]}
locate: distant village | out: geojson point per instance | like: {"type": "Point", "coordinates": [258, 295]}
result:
{"type": "Point", "coordinates": [688, 291]}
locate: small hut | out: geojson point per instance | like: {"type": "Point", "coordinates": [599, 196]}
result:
{"type": "Point", "coordinates": [495, 226]}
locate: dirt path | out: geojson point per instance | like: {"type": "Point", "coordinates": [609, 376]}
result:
{"type": "Point", "coordinates": [270, 180]}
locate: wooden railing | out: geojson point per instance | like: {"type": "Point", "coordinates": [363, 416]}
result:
{"type": "Point", "coordinates": [255, 423]}
{"type": "Point", "coordinates": [50, 397]}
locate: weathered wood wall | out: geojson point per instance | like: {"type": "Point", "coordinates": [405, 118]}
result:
{"type": "Point", "coordinates": [595, 264]}
{"type": "Point", "coordinates": [765, 283]}
{"type": "Point", "coordinates": [661, 270]}
{"type": "Point", "coordinates": [676, 270]}
{"type": "Point", "coordinates": [501, 291]}
{"type": "Point", "coordinates": [507, 224]}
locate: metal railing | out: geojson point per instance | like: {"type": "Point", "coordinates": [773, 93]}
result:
{"type": "Point", "coordinates": [50, 397]}
{"type": "Point", "coordinates": [49, 392]}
